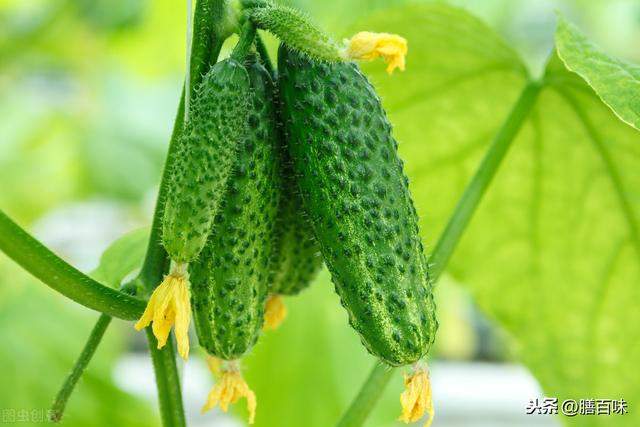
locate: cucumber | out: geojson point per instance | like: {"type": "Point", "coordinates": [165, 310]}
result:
{"type": "Point", "coordinates": [205, 157]}
{"type": "Point", "coordinates": [297, 257]}
{"type": "Point", "coordinates": [353, 187]}
{"type": "Point", "coordinates": [229, 281]}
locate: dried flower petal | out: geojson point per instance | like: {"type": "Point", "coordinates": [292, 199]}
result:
{"type": "Point", "coordinates": [229, 388]}
{"type": "Point", "coordinates": [275, 312]}
{"type": "Point", "coordinates": [169, 305]}
{"type": "Point", "coordinates": [416, 398]}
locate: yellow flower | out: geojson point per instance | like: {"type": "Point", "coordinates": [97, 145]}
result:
{"type": "Point", "coordinates": [169, 305]}
{"type": "Point", "coordinates": [416, 398]}
{"type": "Point", "coordinates": [367, 46]}
{"type": "Point", "coordinates": [274, 312]}
{"type": "Point", "coordinates": [229, 387]}
{"type": "Point", "coordinates": [215, 365]}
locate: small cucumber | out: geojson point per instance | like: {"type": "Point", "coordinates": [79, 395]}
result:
{"type": "Point", "coordinates": [354, 190]}
{"type": "Point", "coordinates": [204, 160]}
{"type": "Point", "coordinates": [230, 279]}
{"type": "Point", "coordinates": [297, 257]}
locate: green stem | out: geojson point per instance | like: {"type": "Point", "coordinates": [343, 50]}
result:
{"type": "Point", "coordinates": [57, 409]}
{"type": "Point", "coordinates": [375, 384]}
{"type": "Point", "coordinates": [264, 55]}
{"type": "Point", "coordinates": [38, 260]}
{"type": "Point", "coordinates": [368, 396]}
{"type": "Point", "coordinates": [167, 382]}
{"type": "Point", "coordinates": [484, 175]}
{"type": "Point", "coordinates": [156, 261]}
{"type": "Point", "coordinates": [247, 35]}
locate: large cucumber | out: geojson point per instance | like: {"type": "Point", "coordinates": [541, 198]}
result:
{"type": "Point", "coordinates": [356, 194]}
{"type": "Point", "coordinates": [204, 159]}
{"type": "Point", "coordinates": [230, 279]}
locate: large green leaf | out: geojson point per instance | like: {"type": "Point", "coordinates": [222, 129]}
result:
{"type": "Point", "coordinates": [553, 254]}
{"type": "Point", "coordinates": [617, 82]}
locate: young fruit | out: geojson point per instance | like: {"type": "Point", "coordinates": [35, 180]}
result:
{"type": "Point", "coordinates": [204, 158]}
{"type": "Point", "coordinates": [358, 199]}
{"type": "Point", "coordinates": [297, 257]}
{"type": "Point", "coordinates": [230, 278]}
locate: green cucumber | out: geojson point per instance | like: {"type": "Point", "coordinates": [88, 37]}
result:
{"type": "Point", "coordinates": [205, 157]}
{"type": "Point", "coordinates": [357, 197]}
{"type": "Point", "coordinates": [229, 282]}
{"type": "Point", "coordinates": [297, 257]}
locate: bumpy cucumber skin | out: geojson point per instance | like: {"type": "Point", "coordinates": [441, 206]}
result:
{"type": "Point", "coordinates": [353, 187]}
{"type": "Point", "coordinates": [297, 257]}
{"type": "Point", "coordinates": [229, 282]}
{"type": "Point", "coordinates": [205, 159]}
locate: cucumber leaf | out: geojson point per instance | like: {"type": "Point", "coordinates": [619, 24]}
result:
{"type": "Point", "coordinates": [122, 257]}
{"type": "Point", "coordinates": [615, 81]}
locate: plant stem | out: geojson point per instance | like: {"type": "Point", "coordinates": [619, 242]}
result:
{"type": "Point", "coordinates": [264, 55]}
{"type": "Point", "coordinates": [375, 384]}
{"type": "Point", "coordinates": [57, 409]}
{"type": "Point", "coordinates": [167, 382]}
{"type": "Point", "coordinates": [38, 260]}
{"type": "Point", "coordinates": [247, 35]}
{"type": "Point", "coordinates": [472, 195]}
{"type": "Point", "coordinates": [368, 396]}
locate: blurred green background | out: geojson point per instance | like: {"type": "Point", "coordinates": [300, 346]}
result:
{"type": "Point", "coordinates": [88, 92]}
